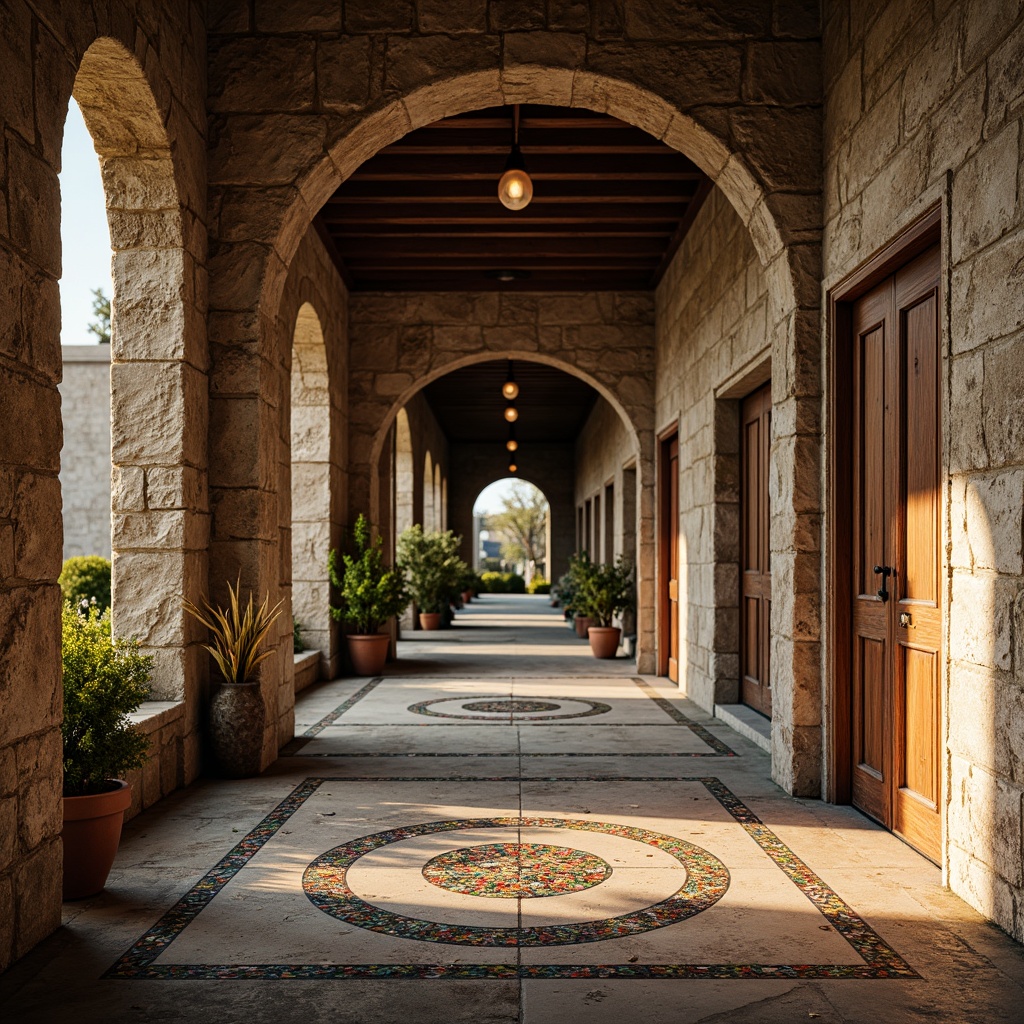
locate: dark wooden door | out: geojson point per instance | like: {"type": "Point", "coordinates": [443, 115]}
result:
{"type": "Point", "coordinates": [755, 562]}
{"type": "Point", "coordinates": [896, 557]}
{"type": "Point", "coordinates": [668, 487]}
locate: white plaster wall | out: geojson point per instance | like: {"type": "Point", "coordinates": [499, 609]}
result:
{"type": "Point", "coordinates": [85, 457]}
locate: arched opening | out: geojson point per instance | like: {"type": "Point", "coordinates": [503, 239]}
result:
{"type": "Point", "coordinates": [512, 529]}
{"type": "Point", "coordinates": [427, 519]}
{"type": "Point", "coordinates": [405, 483]}
{"type": "Point", "coordinates": [311, 489]}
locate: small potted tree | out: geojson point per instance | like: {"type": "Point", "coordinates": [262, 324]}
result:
{"type": "Point", "coordinates": [606, 592]}
{"type": "Point", "coordinates": [370, 594]}
{"type": "Point", "coordinates": [581, 568]}
{"type": "Point", "coordinates": [105, 680]}
{"type": "Point", "coordinates": [237, 714]}
{"type": "Point", "coordinates": [433, 569]}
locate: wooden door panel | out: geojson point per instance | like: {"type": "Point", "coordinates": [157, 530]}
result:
{"type": "Point", "coordinates": [895, 478]}
{"type": "Point", "coordinates": [755, 564]}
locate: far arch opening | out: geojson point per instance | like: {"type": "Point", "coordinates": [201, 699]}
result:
{"type": "Point", "coordinates": [512, 529]}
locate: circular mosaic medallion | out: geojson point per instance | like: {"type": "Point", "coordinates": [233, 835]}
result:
{"type": "Point", "coordinates": [516, 870]}
{"type": "Point", "coordinates": [511, 707]}
{"type": "Point", "coordinates": [325, 883]}
{"type": "Point", "coordinates": [496, 707]}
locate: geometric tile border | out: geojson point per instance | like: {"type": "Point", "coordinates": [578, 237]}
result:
{"type": "Point", "coordinates": [879, 959]}
{"type": "Point", "coordinates": [332, 716]}
{"type": "Point", "coordinates": [677, 716]}
{"type": "Point", "coordinates": [324, 882]}
{"type": "Point", "coordinates": [510, 708]}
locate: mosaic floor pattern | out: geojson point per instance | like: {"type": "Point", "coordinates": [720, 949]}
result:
{"type": "Point", "coordinates": [401, 895]}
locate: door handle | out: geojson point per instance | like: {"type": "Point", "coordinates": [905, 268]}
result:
{"type": "Point", "coordinates": [885, 572]}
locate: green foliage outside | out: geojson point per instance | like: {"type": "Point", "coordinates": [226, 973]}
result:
{"type": "Point", "coordinates": [538, 585]}
{"type": "Point", "coordinates": [105, 680]}
{"type": "Point", "coordinates": [369, 592]}
{"type": "Point", "coordinates": [237, 634]}
{"type": "Point", "coordinates": [432, 567]}
{"type": "Point", "coordinates": [100, 325]}
{"type": "Point", "coordinates": [503, 583]}
{"type": "Point", "coordinates": [606, 591]}
{"type": "Point", "coordinates": [524, 521]}
{"type": "Point", "coordinates": [298, 644]}
{"type": "Point", "coordinates": [85, 579]}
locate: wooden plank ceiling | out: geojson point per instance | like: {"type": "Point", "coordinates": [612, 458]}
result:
{"type": "Point", "coordinates": [611, 205]}
{"type": "Point", "coordinates": [468, 404]}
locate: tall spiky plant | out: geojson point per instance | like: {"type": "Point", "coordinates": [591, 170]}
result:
{"type": "Point", "coordinates": [237, 634]}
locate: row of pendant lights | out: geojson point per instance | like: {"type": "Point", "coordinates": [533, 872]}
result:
{"type": "Point", "coordinates": [510, 392]}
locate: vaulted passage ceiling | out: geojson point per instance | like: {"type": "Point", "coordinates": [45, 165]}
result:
{"type": "Point", "coordinates": [611, 205]}
{"type": "Point", "coordinates": [468, 404]}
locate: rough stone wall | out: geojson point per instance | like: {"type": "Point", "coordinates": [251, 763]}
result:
{"type": "Point", "coordinates": [924, 105]}
{"type": "Point", "coordinates": [150, 61]}
{"type": "Point", "coordinates": [603, 451]}
{"type": "Point", "coordinates": [713, 334]}
{"type": "Point", "coordinates": [312, 461]}
{"type": "Point", "coordinates": [85, 457]}
{"type": "Point", "coordinates": [547, 466]}
{"type": "Point", "coordinates": [402, 341]}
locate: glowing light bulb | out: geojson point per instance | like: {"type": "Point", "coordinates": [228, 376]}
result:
{"type": "Point", "coordinates": [510, 389]}
{"type": "Point", "coordinates": [512, 467]}
{"type": "Point", "coordinates": [515, 189]}
{"type": "Point", "coordinates": [511, 414]}
{"type": "Point", "coordinates": [511, 444]}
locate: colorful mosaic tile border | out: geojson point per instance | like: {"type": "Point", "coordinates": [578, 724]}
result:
{"type": "Point", "coordinates": [424, 707]}
{"type": "Point", "coordinates": [880, 959]}
{"type": "Point", "coordinates": [325, 883]}
{"type": "Point", "coordinates": [722, 749]}
{"type": "Point", "coordinates": [346, 705]}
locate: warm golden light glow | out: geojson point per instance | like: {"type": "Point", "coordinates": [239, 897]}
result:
{"type": "Point", "coordinates": [510, 389]}
{"type": "Point", "coordinates": [511, 444]}
{"type": "Point", "coordinates": [515, 189]}
{"type": "Point", "coordinates": [512, 467]}
{"type": "Point", "coordinates": [511, 414]}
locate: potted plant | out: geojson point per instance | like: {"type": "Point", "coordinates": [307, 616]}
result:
{"type": "Point", "coordinates": [370, 594]}
{"type": "Point", "coordinates": [105, 680]}
{"type": "Point", "coordinates": [581, 568]}
{"type": "Point", "coordinates": [433, 569]}
{"type": "Point", "coordinates": [237, 714]}
{"type": "Point", "coordinates": [607, 591]}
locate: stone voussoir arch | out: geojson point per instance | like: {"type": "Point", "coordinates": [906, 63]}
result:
{"type": "Point", "coordinates": [699, 110]}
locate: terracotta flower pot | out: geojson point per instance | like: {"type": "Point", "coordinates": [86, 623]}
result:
{"type": "Point", "coordinates": [604, 641]}
{"type": "Point", "coordinates": [467, 596]}
{"type": "Point", "coordinates": [92, 830]}
{"type": "Point", "coordinates": [368, 653]}
{"type": "Point", "coordinates": [582, 625]}
{"type": "Point", "coordinates": [237, 717]}
{"type": "Point", "coordinates": [430, 620]}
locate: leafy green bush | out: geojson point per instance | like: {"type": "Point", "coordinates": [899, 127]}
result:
{"type": "Point", "coordinates": [570, 585]}
{"type": "Point", "coordinates": [298, 644]}
{"type": "Point", "coordinates": [105, 680]}
{"type": "Point", "coordinates": [370, 593]}
{"type": "Point", "coordinates": [84, 579]}
{"type": "Point", "coordinates": [538, 585]}
{"type": "Point", "coordinates": [432, 567]}
{"type": "Point", "coordinates": [606, 591]}
{"type": "Point", "coordinates": [502, 583]}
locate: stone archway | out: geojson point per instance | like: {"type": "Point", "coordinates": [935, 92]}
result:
{"type": "Point", "coordinates": [693, 105]}
{"type": "Point", "coordinates": [434, 357]}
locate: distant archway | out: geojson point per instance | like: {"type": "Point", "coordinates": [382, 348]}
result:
{"type": "Point", "coordinates": [427, 518]}
{"type": "Point", "coordinates": [405, 478]}
{"type": "Point", "coordinates": [311, 484]}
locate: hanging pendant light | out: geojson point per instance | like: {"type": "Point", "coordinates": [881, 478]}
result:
{"type": "Point", "coordinates": [512, 467]}
{"type": "Point", "coordinates": [515, 189]}
{"type": "Point", "coordinates": [510, 389]}
{"type": "Point", "coordinates": [511, 444]}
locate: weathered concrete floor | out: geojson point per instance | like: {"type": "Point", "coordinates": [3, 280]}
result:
{"type": "Point", "coordinates": [682, 884]}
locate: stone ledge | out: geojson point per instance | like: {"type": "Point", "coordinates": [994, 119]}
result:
{"type": "Point", "coordinates": [153, 715]}
{"type": "Point", "coordinates": [748, 723]}
{"type": "Point", "coordinates": [307, 666]}
{"type": "Point", "coordinates": [85, 353]}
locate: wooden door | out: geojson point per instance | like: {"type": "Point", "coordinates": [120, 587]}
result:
{"type": "Point", "coordinates": [896, 558]}
{"type": "Point", "coordinates": [668, 488]}
{"type": "Point", "coordinates": [755, 564]}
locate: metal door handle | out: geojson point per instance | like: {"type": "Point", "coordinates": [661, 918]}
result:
{"type": "Point", "coordinates": [885, 572]}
